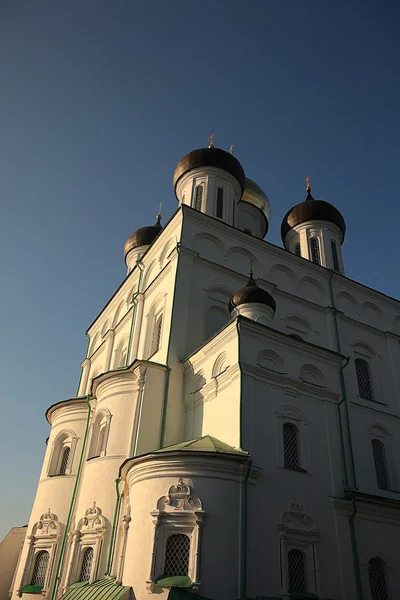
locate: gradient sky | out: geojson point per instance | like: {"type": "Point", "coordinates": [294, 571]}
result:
{"type": "Point", "coordinates": [99, 100]}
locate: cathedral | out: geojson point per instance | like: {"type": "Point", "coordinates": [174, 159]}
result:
{"type": "Point", "coordinates": [235, 432]}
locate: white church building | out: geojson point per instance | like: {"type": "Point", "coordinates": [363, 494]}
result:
{"type": "Point", "coordinates": [236, 430]}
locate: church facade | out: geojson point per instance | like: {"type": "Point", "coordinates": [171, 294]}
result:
{"type": "Point", "coordinates": [236, 428]}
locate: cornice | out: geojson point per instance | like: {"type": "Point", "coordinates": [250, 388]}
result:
{"type": "Point", "coordinates": [70, 403]}
{"type": "Point", "coordinates": [216, 343]}
{"type": "Point", "coordinates": [230, 467]}
{"type": "Point", "coordinates": [371, 508]}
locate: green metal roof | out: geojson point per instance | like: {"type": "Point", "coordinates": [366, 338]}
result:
{"type": "Point", "coordinates": [207, 443]}
{"type": "Point", "coordinates": [104, 589]}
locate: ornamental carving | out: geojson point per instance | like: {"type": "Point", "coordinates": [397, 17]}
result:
{"type": "Point", "coordinates": [296, 519]}
{"type": "Point", "coordinates": [93, 521]}
{"type": "Point", "coordinates": [179, 498]}
{"type": "Point", "coordinates": [47, 526]}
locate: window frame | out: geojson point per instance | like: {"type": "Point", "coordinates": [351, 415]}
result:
{"type": "Point", "coordinates": [83, 553]}
{"type": "Point", "coordinates": [292, 415]}
{"type": "Point", "coordinates": [40, 552]}
{"type": "Point", "coordinates": [65, 438]}
{"type": "Point", "coordinates": [335, 257]}
{"type": "Point", "coordinates": [362, 360]}
{"type": "Point", "coordinates": [179, 511]}
{"type": "Point", "coordinates": [197, 188]}
{"type": "Point", "coordinates": [304, 559]}
{"type": "Point", "coordinates": [315, 250]}
{"type": "Point", "coordinates": [219, 202]}
{"type": "Point", "coordinates": [382, 448]}
{"type": "Point", "coordinates": [378, 432]}
{"type": "Point", "coordinates": [100, 426]}
{"type": "Point", "coordinates": [285, 426]}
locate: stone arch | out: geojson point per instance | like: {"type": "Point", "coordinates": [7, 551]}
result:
{"type": "Point", "coordinates": [364, 349]}
{"type": "Point", "coordinates": [283, 277]}
{"type": "Point", "coordinates": [347, 303]}
{"type": "Point", "coordinates": [220, 365]}
{"type": "Point", "coordinates": [311, 289]}
{"type": "Point", "coordinates": [105, 327]}
{"type": "Point", "coordinates": [271, 360]}
{"type": "Point", "coordinates": [122, 307]}
{"type": "Point", "coordinates": [371, 313]}
{"type": "Point", "coordinates": [288, 410]}
{"type": "Point", "coordinates": [149, 273]}
{"type": "Point", "coordinates": [94, 343]}
{"type": "Point", "coordinates": [120, 352]}
{"type": "Point", "coordinates": [298, 326]}
{"type": "Point", "coordinates": [209, 247]}
{"type": "Point", "coordinates": [165, 252]}
{"type": "Point", "coordinates": [240, 260]}
{"type": "Point", "coordinates": [310, 374]}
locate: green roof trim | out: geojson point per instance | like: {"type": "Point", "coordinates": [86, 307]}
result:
{"type": "Point", "coordinates": [207, 443]}
{"type": "Point", "coordinates": [104, 589]}
{"type": "Point", "coordinates": [182, 581]}
{"type": "Point", "coordinates": [31, 589]}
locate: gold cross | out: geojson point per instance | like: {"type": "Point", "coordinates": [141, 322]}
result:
{"type": "Point", "coordinates": [307, 182]}
{"type": "Point", "coordinates": [158, 216]}
{"type": "Point", "coordinates": [231, 148]}
{"type": "Point", "coordinates": [211, 138]}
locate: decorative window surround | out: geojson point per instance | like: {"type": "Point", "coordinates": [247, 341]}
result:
{"type": "Point", "coordinates": [292, 415]}
{"type": "Point", "coordinates": [100, 433]}
{"type": "Point", "coordinates": [89, 533]}
{"type": "Point", "coordinates": [65, 439]}
{"type": "Point", "coordinates": [45, 535]}
{"type": "Point", "coordinates": [297, 531]}
{"type": "Point", "coordinates": [177, 512]}
{"type": "Point", "coordinates": [378, 432]}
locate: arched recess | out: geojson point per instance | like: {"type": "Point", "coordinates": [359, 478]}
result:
{"type": "Point", "coordinates": [119, 313]}
{"type": "Point", "coordinates": [216, 309]}
{"type": "Point", "coordinates": [105, 327]}
{"type": "Point", "coordinates": [166, 251]}
{"type": "Point", "coordinates": [220, 365]}
{"type": "Point", "coordinates": [155, 325]}
{"type": "Point", "coordinates": [299, 326]}
{"type": "Point", "coordinates": [312, 290]}
{"type": "Point", "coordinates": [364, 349]}
{"type": "Point", "coordinates": [120, 353]}
{"type": "Point", "coordinates": [371, 314]}
{"type": "Point", "coordinates": [62, 453]}
{"type": "Point", "coordinates": [241, 260]}
{"type": "Point", "coordinates": [209, 247]}
{"type": "Point", "coordinates": [94, 344]}
{"type": "Point", "coordinates": [284, 278]}
{"type": "Point", "coordinates": [310, 374]}
{"type": "Point", "coordinates": [347, 304]}
{"type": "Point", "coordinates": [271, 360]}
{"type": "Point", "coordinates": [99, 434]}
{"type": "Point", "coordinates": [150, 272]}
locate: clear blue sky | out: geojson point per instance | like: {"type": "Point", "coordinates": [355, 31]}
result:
{"type": "Point", "coordinates": [99, 100]}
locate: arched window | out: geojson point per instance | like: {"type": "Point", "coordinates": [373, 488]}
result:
{"type": "Point", "coordinates": [297, 249]}
{"type": "Point", "coordinates": [65, 452]}
{"type": "Point", "coordinates": [157, 334]}
{"type": "Point", "coordinates": [220, 203]}
{"type": "Point", "coordinates": [177, 551]}
{"type": "Point", "coordinates": [100, 431]}
{"type": "Point", "coordinates": [377, 579]}
{"type": "Point", "coordinates": [335, 256]}
{"type": "Point", "coordinates": [297, 571]}
{"type": "Point", "coordinates": [86, 566]}
{"type": "Point", "coordinates": [291, 445]}
{"type": "Point", "coordinates": [381, 470]}
{"type": "Point", "coordinates": [198, 197]}
{"type": "Point", "coordinates": [314, 247]}
{"type": "Point", "coordinates": [40, 568]}
{"type": "Point", "coordinates": [364, 379]}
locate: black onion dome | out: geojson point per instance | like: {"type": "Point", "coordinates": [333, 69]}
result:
{"type": "Point", "coordinates": [251, 294]}
{"type": "Point", "coordinates": [142, 237]}
{"type": "Point", "coordinates": [210, 157]}
{"type": "Point", "coordinates": [311, 210]}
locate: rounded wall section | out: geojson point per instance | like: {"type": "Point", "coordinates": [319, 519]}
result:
{"type": "Point", "coordinates": [251, 220]}
{"type": "Point", "coordinates": [214, 485]}
{"type": "Point", "coordinates": [209, 200]}
{"type": "Point", "coordinates": [134, 255]}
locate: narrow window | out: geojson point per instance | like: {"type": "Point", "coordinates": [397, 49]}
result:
{"type": "Point", "coordinates": [220, 203]}
{"type": "Point", "coordinates": [177, 555]}
{"type": "Point", "coordinates": [314, 245]}
{"type": "Point", "coordinates": [40, 568]}
{"type": "Point", "coordinates": [297, 571]}
{"type": "Point", "coordinates": [381, 471]}
{"type": "Point", "coordinates": [291, 445]}
{"type": "Point", "coordinates": [297, 249]}
{"type": "Point", "coordinates": [377, 579]}
{"type": "Point", "coordinates": [101, 441]}
{"type": "Point", "coordinates": [64, 460]}
{"type": "Point", "coordinates": [86, 567]}
{"type": "Point", "coordinates": [157, 334]}
{"type": "Point", "coordinates": [198, 198]}
{"type": "Point", "coordinates": [364, 379]}
{"type": "Point", "coordinates": [335, 257]}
